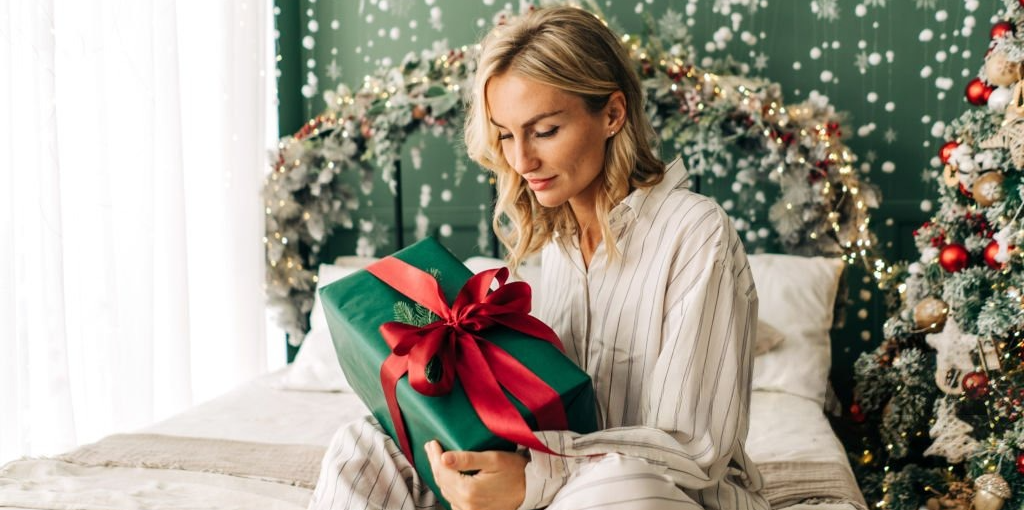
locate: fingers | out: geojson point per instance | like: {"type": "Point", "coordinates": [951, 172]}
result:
{"type": "Point", "coordinates": [459, 460]}
{"type": "Point", "coordinates": [500, 483]}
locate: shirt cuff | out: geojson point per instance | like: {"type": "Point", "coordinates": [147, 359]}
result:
{"type": "Point", "coordinates": [545, 475]}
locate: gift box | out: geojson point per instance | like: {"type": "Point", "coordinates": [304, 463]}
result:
{"type": "Point", "coordinates": [477, 378]}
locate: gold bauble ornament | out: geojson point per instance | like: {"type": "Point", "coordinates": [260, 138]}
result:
{"type": "Point", "coordinates": [932, 503]}
{"type": "Point", "coordinates": [950, 176]}
{"type": "Point", "coordinates": [988, 188]}
{"type": "Point", "coordinates": [991, 491]}
{"type": "Point", "coordinates": [1001, 71]}
{"type": "Point", "coordinates": [930, 314]}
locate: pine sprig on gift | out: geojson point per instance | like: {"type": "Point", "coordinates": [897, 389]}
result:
{"type": "Point", "coordinates": [416, 314]}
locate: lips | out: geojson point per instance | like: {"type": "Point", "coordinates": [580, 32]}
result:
{"type": "Point", "coordinates": [539, 184]}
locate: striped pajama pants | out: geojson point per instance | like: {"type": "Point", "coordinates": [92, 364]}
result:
{"type": "Point", "coordinates": [364, 469]}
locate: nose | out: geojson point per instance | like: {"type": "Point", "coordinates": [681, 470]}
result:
{"type": "Point", "coordinates": [523, 158]}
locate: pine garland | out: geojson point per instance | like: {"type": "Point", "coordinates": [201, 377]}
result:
{"type": "Point", "coordinates": [725, 125]}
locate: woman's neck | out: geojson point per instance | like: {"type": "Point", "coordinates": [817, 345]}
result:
{"type": "Point", "coordinates": [588, 229]}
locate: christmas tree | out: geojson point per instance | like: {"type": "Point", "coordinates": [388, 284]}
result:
{"type": "Point", "coordinates": [940, 403]}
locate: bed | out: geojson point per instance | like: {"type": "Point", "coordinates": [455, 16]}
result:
{"type": "Point", "coordinates": [260, 445]}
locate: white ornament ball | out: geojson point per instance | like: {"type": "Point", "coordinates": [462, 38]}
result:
{"type": "Point", "coordinates": [999, 99]}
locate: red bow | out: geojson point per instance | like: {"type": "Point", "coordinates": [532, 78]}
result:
{"type": "Point", "coordinates": [461, 352]}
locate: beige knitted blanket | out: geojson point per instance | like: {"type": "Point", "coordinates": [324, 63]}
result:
{"type": "Point", "coordinates": [786, 483]}
{"type": "Point", "coordinates": [789, 483]}
{"type": "Point", "coordinates": [297, 465]}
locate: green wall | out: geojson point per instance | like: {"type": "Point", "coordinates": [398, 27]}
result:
{"type": "Point", "coordinates": [871, 59]}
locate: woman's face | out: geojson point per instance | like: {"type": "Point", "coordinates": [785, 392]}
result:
{"type": "Point", "coordinates": [550, 138]}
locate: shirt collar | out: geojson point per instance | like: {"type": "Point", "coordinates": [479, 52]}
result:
{"type": "Point", "coordinates": [626, 211]}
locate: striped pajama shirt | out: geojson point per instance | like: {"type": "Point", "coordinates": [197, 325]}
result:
{"type": "Point", "coordinates": [666, 332]}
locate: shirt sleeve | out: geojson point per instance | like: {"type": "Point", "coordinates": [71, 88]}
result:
{"type": "Point", "coordinates": [697, 402]}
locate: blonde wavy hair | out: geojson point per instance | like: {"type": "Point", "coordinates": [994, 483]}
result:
{"type": "Point", "coordinates": [574, 51]}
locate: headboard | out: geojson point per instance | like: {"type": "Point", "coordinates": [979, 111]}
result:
{"type": "Point", "coordinates": [781, 171]}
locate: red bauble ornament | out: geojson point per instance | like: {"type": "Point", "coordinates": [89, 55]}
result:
{"type": "Point", "coordinates": [947, 150]}
{"type": "Point", "coordinates": [1000, 29]}
{"type": "Point", "coordinates": [975, 385]}
{"type": "Point", "coordinates": [953, 257]}
{"type": "Point", "coordinates": [856, 413]}
{"type": "Point", "coordinates": [977, 92]}
{"type": "Point", "coordinates": [990, 256]}
{"type": "Point", "coordinates": [1020, 463]}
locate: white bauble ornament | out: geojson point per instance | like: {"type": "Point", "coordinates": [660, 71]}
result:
{"type": "Point", "coordinates": [999, 98]}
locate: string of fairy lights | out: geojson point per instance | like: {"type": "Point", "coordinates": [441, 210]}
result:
{"type": "Point", "coordinates": [801, 144]}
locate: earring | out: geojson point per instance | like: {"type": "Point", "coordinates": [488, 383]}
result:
{"type": "Point", "coordinates": [611, 133]}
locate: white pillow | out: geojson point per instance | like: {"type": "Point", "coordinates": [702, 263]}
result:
{"type": "Point", "coordinates": [316, 365]}
{"type": "Point", "coordinates": [796, 296]}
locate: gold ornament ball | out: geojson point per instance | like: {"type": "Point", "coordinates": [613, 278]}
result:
{"type": "Point", "coordinates": [930, 314]}
{"type": "Point", "coordinates": [988, 188]}
{"type": "Point", "coordinates": [1001, 71]}
{"type": "Point", "coordinates": [866, 458]}
{"type": "Point", "coordinates": [932, 503]}
{"type": "Point", "coordinates": [991, 491]}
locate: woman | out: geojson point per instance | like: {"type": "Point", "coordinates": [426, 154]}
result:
{"type": "Point", "coordinates": [646, 283]}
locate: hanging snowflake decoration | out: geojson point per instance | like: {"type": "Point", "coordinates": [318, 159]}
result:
{"type": "Point", "coordinates": [826, 9]}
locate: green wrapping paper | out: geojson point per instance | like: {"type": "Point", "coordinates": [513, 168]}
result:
{"type": "Point", "coordinates": [357, 306]}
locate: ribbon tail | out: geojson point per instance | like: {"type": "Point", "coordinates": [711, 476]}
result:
{"type": "Point", "coordinates": [390, 372]}
{"type": "Point", "coordinates": [542, 400]}
{"type": "Point", "coordinates": [495, 410]}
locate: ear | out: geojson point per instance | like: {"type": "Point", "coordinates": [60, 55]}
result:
{"type": "Point", "coordinates": [615, 111]}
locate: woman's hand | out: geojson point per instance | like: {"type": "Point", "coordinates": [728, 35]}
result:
{"type": "Point", "coordinates": [498, 484]}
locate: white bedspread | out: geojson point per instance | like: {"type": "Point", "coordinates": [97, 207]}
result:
{"type": "Point", "coordinates": [783, 428]}
{"type": "Point", "coordinates": [259, 412]}
{"type": "Point", "coordinates": [56, 485]}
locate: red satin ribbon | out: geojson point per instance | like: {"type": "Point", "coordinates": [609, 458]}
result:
{"type": "Point", "coordinates": [483, 367]}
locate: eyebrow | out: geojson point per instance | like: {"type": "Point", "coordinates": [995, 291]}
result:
{"type": "Point", "coordinates": [533, 120]}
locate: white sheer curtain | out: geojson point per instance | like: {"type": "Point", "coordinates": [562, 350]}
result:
{"type": "Point", "coordinates": [133, 142]}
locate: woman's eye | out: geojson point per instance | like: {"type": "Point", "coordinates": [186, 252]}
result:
{"type": "Point", "coordinates": [548, 133]}
{"type": "Point", "coordinates": [503, 137]}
